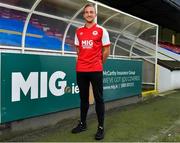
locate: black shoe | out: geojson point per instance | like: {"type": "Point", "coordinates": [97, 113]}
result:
{"type": "Point", "coordinates": [79, 128]}
{"type": "Point", "coordinates": [100, 133]}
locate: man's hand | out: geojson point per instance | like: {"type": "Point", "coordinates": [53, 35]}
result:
{"type": "Point", "coordinates": [106, 52]}
{"type": "Point", "coordinates": [77, 50]}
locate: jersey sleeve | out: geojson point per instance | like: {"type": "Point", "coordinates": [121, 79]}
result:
{"type": "Point", "coordinates": [105, 38]}
{"type": "Point", "coordinates": [76, 41]}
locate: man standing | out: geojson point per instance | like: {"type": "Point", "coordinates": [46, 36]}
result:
{"type": "Point", "coordinates": [93, 48]}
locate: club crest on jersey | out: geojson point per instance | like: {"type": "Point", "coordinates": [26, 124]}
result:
{"type": "Point", "coordinates": [94, 33]}
{"type": "Point", "coordinates": [87, 44]}
{"type": "Point", "coordinates": [81, 33]}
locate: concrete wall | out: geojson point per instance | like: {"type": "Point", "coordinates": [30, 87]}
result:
{"type": "Point", "coordinates": [175, 79]}
{"type": "Point", "coordinates": [168, 80]}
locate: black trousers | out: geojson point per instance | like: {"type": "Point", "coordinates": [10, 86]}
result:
{"type": "Point", "coordinates": [96, 79]}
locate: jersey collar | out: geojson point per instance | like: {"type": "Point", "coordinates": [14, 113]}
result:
{"type": "Point", "coordinates": [91, 26]}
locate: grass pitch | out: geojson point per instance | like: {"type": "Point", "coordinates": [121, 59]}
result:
{"type": "Point", "coordinates": [153, 120]}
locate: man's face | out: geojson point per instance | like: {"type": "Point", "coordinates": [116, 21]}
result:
{"type": "Point", "coordinates": [89, 14]}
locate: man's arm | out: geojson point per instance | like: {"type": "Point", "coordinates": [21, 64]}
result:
{"type": "Point", "coordinates": [76, 43]}
{"type": "Point", "coordinates": [77, 50]}
{"type": "Point", "coordinates": [106, 52]}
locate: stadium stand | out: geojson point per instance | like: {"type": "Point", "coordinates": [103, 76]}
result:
{"type": "Point", "coordinates": [39, 34]}
{"type": "Point", "coordinates": [170, 47]}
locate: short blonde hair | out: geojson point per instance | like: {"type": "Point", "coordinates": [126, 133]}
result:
{"type": "Point", "coordinates": [89, 5]}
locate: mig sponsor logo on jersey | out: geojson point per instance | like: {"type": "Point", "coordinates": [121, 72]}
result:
{"type": "Point", "coordinates": [87, 44]}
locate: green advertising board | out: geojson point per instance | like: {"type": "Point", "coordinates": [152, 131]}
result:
{"type": "Point", "coordinates": [33, 85]}
{"type": "Point", "coordinates": [121, 78]}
